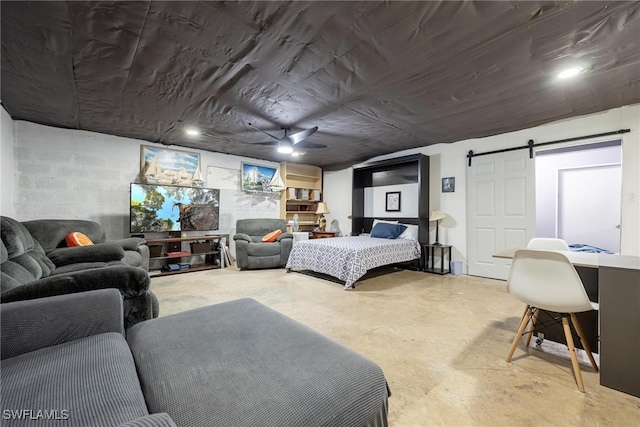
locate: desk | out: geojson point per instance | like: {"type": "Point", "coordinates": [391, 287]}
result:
{"type": "Point", "coordinates": [617, 283]}
{"type": "Point", "coordinates": [428, 258]}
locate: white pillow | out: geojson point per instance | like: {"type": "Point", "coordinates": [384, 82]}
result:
{"type": "Point", "coordinates": [375, 221]}
{"type": "Point", "coordinates": [411, 233]}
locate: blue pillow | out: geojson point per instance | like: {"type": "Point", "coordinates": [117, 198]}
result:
{"type": "Point", "coordinates": [387, 231]}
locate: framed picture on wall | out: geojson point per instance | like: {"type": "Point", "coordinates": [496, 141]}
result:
{"type": "Point", "coordinates": [257, 178]}
{"type": "Point", "coordinates": [448, 185]}
{"type": "Point", "coordinates": [393, 201]}
{"type": "Point", "coordinates": [166, 166]}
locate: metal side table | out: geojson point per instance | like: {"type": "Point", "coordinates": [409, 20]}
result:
{"type": "Point", "coordinates": [428, 255]}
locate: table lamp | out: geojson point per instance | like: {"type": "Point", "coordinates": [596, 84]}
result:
{"type": "Point", "coordinates": [322, 209]}
{"type": "Point", "coordinates": [437, 216]}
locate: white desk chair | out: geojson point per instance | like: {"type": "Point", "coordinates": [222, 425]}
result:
{"type": "Point", "coordinates": [546, 280]}
{"type": "Point", "coordinates": [548, 243]}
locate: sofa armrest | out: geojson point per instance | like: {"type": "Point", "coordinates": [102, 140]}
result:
{"type": "Point", "coordinates": [244, 237]}
{"type": "Point", "coordinates": [143, 250]}
{"type": "Point", "coordinates": [130, 281]}
{"type": "Point", "coordinates": [284, 236]}
{"type": "Point", "coordinates": [44, 322]}
{"type": "Point", "coordinates": [161, 419]}
{"type": "Point", "coordinates": [102, 252]}
{"type": "Point", "coordinates": [130, 243]}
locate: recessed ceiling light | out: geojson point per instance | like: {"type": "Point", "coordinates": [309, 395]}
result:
{"type": "Point", "coordinates": [192, 132]}
{"type": "Point", "coordinates": [570, 72]}
{"type": "Point", "coordinates": [295, 154]}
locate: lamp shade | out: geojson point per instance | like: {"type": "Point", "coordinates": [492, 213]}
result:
{"type": "Point", "coordinates": [437, 215]}
{"type": "Point", "coordinates": [322, 208]}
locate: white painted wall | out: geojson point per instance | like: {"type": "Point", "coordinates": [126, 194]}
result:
{"type": "Point", "coordinates": [450, 160]}
{"type": "Point", "coordinates": [375, 199]}
{"type": "Point", "coordinates": [61, 173]}
{"type": "Point", "coordinates": [7, 141]}
{"type": "Point", "coordinates": [547, 167]}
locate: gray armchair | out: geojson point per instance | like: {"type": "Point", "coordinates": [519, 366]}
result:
{"type": "Point", "coordinates": [252, 253]}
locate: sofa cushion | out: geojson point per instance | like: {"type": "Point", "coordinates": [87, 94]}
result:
{"type": "Point", "coordinates": [93, 379]}
{"type": "Point", "coordinates": [151, 420]}
{"type": "Point", "coordinates": [263, 249]}
{"type": "Point", "coordinates": [20, 248]}
{"type": "Point", "coordinates": [51, 233]}
{"type": "Point", "coordinates": [7, 282]}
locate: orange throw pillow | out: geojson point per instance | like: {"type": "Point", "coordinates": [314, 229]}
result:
{"type": "Point", "coordinates": [271, 237]}
{"type": "Point", "coordinates": [77, 239]}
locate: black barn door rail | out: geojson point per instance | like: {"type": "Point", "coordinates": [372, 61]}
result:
{"type": "Point", "coordinates": [531, 144]}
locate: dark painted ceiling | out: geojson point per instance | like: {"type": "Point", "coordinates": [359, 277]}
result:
{"type": "Point", "coordinates": [375, 77]}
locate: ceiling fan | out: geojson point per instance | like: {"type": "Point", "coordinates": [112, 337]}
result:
{"type": "Point", "coordinates": [287, 143]}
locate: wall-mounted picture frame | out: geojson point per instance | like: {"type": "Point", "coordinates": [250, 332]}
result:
{"type": "Point", "coordinates": [169, 167]}
{"type": "Point", "coordinates": [392, 201]}
{"type": "Point", "coordinates": [448, 185]}
{"type": "Point", "coordinates": [257, 178]}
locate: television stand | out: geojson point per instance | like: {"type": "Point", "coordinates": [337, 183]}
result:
{"type": "Point", "coordinates": [169, 251]}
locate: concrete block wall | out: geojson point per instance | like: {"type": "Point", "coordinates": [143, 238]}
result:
{"type": "Point", "coordinates": [63, 174]}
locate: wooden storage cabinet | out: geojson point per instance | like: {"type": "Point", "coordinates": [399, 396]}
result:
{"type": "Point", "coordinates": [163, 252]}
{"type": "Point", "coordinates": [303, 192]}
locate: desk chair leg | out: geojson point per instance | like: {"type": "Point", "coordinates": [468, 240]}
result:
{"type": "Point", "coordinates": [583, 339]}
{"type": "Point", "coordinates": [516, 340]}
{"type": "Point", "coordinates": [534, 320]}
{"type": "Point", "coordinates": [572, 353]}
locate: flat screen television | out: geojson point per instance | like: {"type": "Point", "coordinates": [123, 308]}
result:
{"type": "Point", "coordinates": [163, 208]}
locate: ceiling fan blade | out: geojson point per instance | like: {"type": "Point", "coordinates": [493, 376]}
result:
{"type": "Point", "coordinates": [265, 143]}
{"type": "Point", "coordinates": [268, 134]}
{"type": "Point", "coordinates": [297, 137]}
{"type": "Point", "coordinates": [310, 145]}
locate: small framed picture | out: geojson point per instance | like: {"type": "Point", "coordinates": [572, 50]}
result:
{"type": "Point", "coordinates": [448, 185]}
{"type": "Point", "coordinates": [393, 201]}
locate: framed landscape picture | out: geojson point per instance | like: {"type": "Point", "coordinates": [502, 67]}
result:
{"type": "Point", "coordinates": [257, 178]}
{"type": "Point", "coordinates": [173, 167]}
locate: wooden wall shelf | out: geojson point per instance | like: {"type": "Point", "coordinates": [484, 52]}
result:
{"type": "Point", "coordinates": [300, 177]}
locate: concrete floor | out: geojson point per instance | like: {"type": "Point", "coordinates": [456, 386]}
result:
{"type": "Point", "coordinates": [440, 340]}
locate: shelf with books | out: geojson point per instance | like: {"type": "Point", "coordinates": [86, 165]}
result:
{"type": "Point", "coordinates": [303, 192]}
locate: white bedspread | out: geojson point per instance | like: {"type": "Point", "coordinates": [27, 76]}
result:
{"type": "Point", "coordinates": [349, 258]}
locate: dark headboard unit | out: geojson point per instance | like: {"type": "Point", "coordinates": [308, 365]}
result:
{"type": "Point", "coordinates": [401, 170]}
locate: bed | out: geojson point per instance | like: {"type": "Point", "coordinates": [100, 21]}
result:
{"type": "Point", "coordinates": [349, 258]}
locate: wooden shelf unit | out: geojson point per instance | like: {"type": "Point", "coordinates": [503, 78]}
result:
{"type": "Point", "coordinates": [297, 177]}
{"type": "Point", "coordinates": [170, 245]}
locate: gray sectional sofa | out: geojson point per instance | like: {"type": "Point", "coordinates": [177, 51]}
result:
{"type": "Point", "coordinates": [35, 263]}
{"type": "Point", "coordinates": [237, 364]}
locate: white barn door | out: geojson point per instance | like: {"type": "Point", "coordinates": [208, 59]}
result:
{"type": "Point", "coordinates": [500, 210]}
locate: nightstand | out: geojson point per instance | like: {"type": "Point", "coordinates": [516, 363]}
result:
{"type": "Point", "coordinates": [323, 234]}
{"type": "Point", "coordinates": [428, 255]}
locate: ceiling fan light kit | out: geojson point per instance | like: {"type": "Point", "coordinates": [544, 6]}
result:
{"type": "Point", "coordinates": [288, 143]}
{"type": "Point", "coordinates": [284, 148]}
